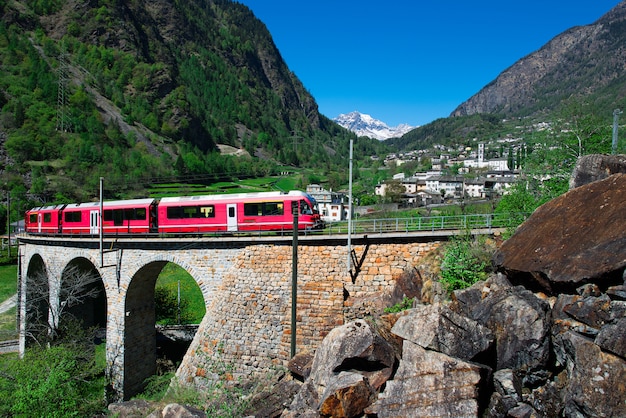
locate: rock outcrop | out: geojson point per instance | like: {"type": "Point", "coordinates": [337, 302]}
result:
{"type": "Point", "coordinates": [577, 238]}
{"type": "Point", "coordinates": [544, 337]}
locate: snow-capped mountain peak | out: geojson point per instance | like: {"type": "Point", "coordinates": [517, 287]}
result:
{"type": "Point", "coordinates": [365, 125]}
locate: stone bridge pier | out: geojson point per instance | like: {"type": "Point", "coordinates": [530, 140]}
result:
{"type": "Point", "coordinates": [245, 282]}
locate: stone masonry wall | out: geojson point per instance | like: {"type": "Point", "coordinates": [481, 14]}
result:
{"type": "Point", "coordinates": [248, 323]}
{"type": "Point", "coordinates": [247, 291]}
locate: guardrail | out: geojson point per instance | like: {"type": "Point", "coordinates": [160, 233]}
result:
{"type": "Point", "coordinates": [366, 226]}
{"type": "Point", "coordinates": [427, 223]}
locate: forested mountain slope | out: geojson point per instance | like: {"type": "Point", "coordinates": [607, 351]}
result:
{"type": "Point", "coordinates": [139, 90]}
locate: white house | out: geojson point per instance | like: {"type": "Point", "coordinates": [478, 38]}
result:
{"type": "Point", "coordinates": [333, 206]}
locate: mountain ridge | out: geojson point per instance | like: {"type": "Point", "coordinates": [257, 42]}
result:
{"type": "Point", "coordinates": [365, 125]}
{"type": "Point", "coordinates": [574, 64]}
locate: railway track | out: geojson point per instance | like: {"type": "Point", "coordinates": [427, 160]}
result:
{"type": "Point", "coordinates": [9, 346]}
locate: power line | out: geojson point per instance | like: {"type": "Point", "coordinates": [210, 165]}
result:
{"type": "Point", "coordinates": [63, 123]}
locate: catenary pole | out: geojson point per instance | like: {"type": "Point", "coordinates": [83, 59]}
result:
{"type": "Point", "coordinates": [294, 276]}
{"type": "Point", "coordinates": [349, 262]}
{"type": "Point", "coordinates": [101, 221]}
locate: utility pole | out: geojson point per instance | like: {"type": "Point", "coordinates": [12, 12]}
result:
{"type": "Point", "coordinates": [294, 276]}
{"type": "Point", "coordinates": [349, 261]}
{"type": "Point", "coordinates": [63, 124]}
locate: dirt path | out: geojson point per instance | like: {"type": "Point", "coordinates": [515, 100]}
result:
{"type": "Point", "coordinates": [8, 304]}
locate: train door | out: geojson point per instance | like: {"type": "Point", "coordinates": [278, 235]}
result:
{"type": "Point", "coordinates": [39, 220]}
{"type": "Point", "coordinates": [94, 217]}
{"type": "Point", "coordinates": [231, 210]}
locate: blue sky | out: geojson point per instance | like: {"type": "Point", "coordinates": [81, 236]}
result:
{"type": "Point", "coordinates": [410, 61]}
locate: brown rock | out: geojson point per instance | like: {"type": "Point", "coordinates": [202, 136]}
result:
{"type": "Point", "coordinates": [300, 364]}
{"type": "Point", "coordinates": [436, 327]}
{"type": "Point", "coordinates": [576, 238]}
{"type": "Point", "coordinates": [347, 396]}
{"type": "Point", "coordinates": [428, 383]}
{"type": "Point", "coordinates": [351, 363]}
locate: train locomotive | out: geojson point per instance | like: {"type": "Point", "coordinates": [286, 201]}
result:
{"type": "Point", "coordinates": [228, 213]}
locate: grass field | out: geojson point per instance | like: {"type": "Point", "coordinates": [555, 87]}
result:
{"type": "Point", "coordinates": [264, 184]}
{"type": "Point", "coordinates": [8, 281]}
{"type": "Point", "coordinates": [8, 287]}
{"type": "Point", "coordinates": [189, 290]}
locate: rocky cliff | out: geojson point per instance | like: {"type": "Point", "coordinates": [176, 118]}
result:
{"type": "Point", "coordinates": [580, 61]}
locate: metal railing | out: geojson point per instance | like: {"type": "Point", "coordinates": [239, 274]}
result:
{"type": "Point", "coordinates": [427, 223]}
{"type": "Point", "coordinates": [370, 226]}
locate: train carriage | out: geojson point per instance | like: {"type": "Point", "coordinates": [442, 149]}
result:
{"type": "Point", "coordinates": [44, 220]}
{"type": "Point", "coordinates": [263, 211]}
{"type": "Point", "coordinates": [120, 217]}
{"type": "Point", "coordinates": [252, 212]}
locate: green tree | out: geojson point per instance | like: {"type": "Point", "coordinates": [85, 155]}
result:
{"type": "Point", "coordinates": [394, 191]}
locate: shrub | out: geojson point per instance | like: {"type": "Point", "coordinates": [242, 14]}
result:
{"type": "Point", "coordinates": [406, 303]}
{"type": "Point", "coordinates": [465, 261]}
{"type": "Point", "coordinates": [167, 309]}
{"type": "Point", "coordinates": [59, 381]}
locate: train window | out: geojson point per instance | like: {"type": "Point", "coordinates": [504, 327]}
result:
{"type": "Point", "coordinates": [305, 209]}
{"type": "Point", "coordinates": [118, 216]}
{"type": "Point", "coordinates": [47, 217]}
{"type": "Point", "coordinates": [72, 216]}
{"type": "Point", "coordinates": [32, 218]}
{"type": "Point", "coordinates": [174, 212]}
{"type": "Point", "coordinates": [253, 209]}
{"type": "Point", "coordinates": [264, 209]}
{"type": "Point", "coordinates": [207, 211]}
{"type": "Point", "coordinates": [135, 214]}
{"type": "Point", "coordinates": [273, 208]}
{"type": "Point", "coordinates": [190, 212]}
{"type": "Point", "coordinates": [186, 212]}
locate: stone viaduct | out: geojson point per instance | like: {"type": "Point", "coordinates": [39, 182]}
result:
{"type": "Point", "coordinates": [246, 284]}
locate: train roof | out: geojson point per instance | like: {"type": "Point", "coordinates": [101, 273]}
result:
{"type": "Point", "coordinates": [49, 207]}
{"type": "Point", "coordinates": [235, 196]}
{"type": "Point", "coordinates": [110, 203]}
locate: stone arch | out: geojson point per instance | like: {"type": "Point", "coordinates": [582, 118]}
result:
{"type": "Point", "coordinates": [35, 317]}
{"type": "Point", "coordinates": [187, 266]}
{"type": "Point", "coordinates": [140, 334]}
{"type": "Point", "coordinates": [139, 330]}
{"type": "Point", "coordinates": [82, 288]}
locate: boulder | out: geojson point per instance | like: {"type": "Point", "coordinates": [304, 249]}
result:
{"type": "Point", "coordinates": [596, 381]}
{"type": "Point", "coordinates": [612, 338]}
{"type": "Point", "coordinates": [351, 364]}
{"type": "Point", "coordinates": [346, 396]}
{"type": "Point", "coordinates": [519, 320]}
{"type": "Point", "coordinates": [578, 237]}
{"type": "Point", "coordinates": [429, 383]}
{"type": "Point", "coordinates": [438, 328]}
{"type": "Point", "coordinates": [590, 168]}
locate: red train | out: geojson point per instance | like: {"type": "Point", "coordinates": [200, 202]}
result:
{"type": "Point", "coordinates": [265, 211]}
